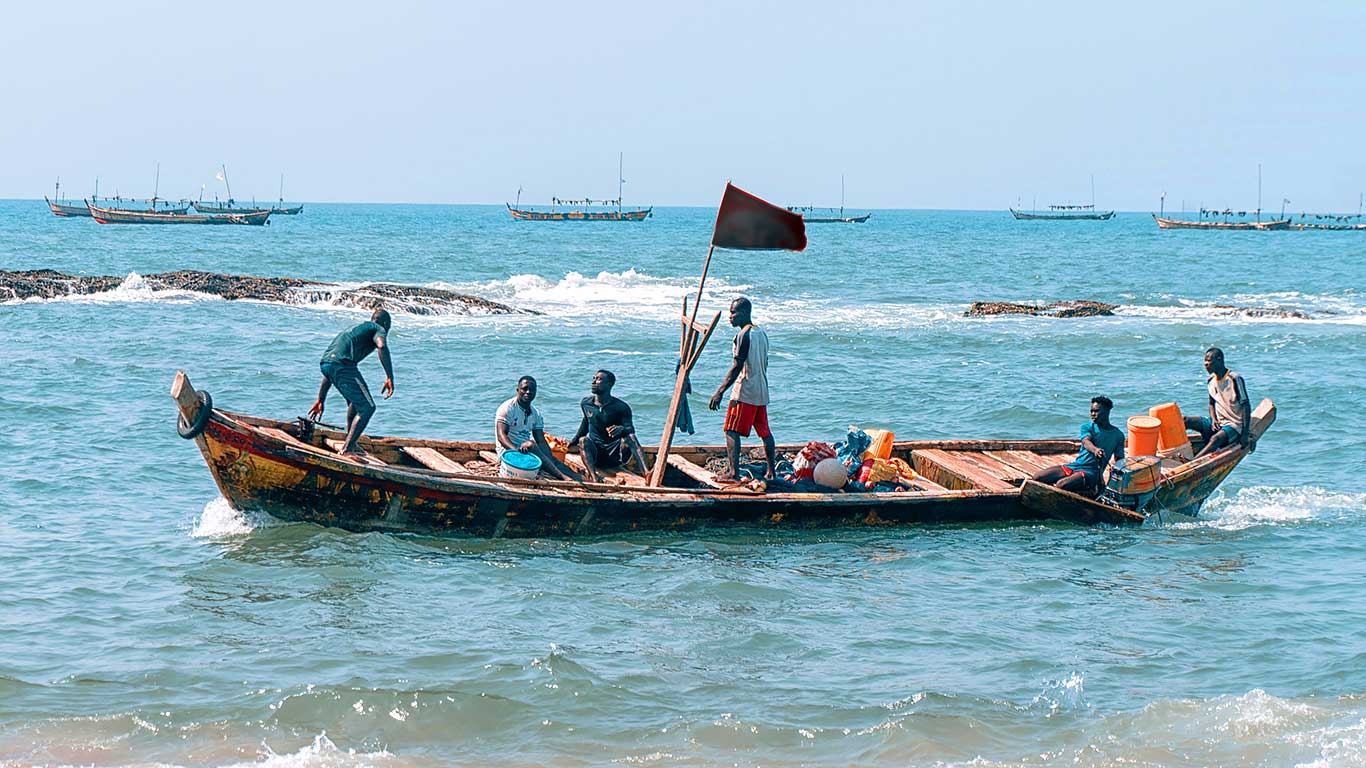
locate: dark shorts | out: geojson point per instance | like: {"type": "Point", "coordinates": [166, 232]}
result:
{"type": "Point", "coordinates": [348, 382]}
{"type": "Point", "coordinates": [613, 453]}
{"type": "Point", "coordinates": [742, 417]}
{"type": "Point", "coordinates": [1206, 430]}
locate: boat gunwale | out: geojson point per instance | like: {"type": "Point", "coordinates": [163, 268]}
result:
{"type": "Point", "coordinates": [517, 488]}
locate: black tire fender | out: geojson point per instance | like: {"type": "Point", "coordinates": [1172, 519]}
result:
{"type": "Point", "coordinates": [201, 419]}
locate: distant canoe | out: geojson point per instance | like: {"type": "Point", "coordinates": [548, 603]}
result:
{"type": "Point", "coordinates": [231, 207]}
{"type": "Point", "coordinates": [67, 211]}
{"type": "Point", "coordinates": [116, 216]}
{"type": "Point", "coordinates": [1080, 216]}
{"type": "Point", "coordinates": [1260, 226]}
{"type": "Point", "coordinates": [521, 214]}
{"type": "Point", "coordinates": [835, 219]}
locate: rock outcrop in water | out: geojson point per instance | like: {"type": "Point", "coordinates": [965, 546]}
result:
{"type": "Point", "coordinates": [417, 300]}
{"type": "Point", "coordinates": [1101, 309]}
{"type": "Point", "coordinates": [1055, 309]}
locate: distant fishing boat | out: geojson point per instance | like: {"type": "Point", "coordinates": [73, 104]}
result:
{"type": "Point", "coordinates": [1164, 222]}
{"type": "Point", "coordinates": [231, 205]}
{"type": "Point", "coordinates": [117, 216]}
{"type": "Point", "coordinates": [578, 209]}
{"type": "Point", "coordinates": [65, 209]}
{"type": "Point", "coordinates": [813, 215]}
{"type": "Point", "coordinates": [1066, 211]}
{"type": "Point", "coordinates": [1332, 222]}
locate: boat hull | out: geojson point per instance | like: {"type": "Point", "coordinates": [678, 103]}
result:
{"type": "Point", "coordinates": [1258, 226]}
{"type": "Point", "coordinates": [63, 211]}
{"type": "Point", "coordinates": [1099, 216]}
{"type": "Point", "coordinates": [272, 466]}
{"type": "Point", "coordinates": [211, 208]}
{"type": "Point", "coordinates": [837, 219]}
{"type": "Point", "coordinates": [525, 215]}
{"type": "Point", "coordinates": [116, 216]}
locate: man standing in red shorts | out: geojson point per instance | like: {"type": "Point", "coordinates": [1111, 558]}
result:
{"type": "Point", "coordinates": [748, 408]}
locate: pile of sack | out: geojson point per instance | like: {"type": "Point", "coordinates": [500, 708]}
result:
{"type": "Point", "coordinates": [861, 462]}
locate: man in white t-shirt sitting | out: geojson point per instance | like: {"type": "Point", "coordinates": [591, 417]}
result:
{"type": "Point", "coordinates": [519, 427]}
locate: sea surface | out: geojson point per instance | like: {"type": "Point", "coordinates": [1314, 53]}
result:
{"type": "Point", "coordinates": [144, 622]}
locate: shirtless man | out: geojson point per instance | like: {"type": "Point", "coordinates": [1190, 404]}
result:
{"type": "Point", "coordinates": [748, 408]}
{"type": "Point", "coordinates": [1230, 412]}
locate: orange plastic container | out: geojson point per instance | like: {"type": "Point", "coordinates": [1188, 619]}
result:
{"type": "Point", "coordinates": [1173, 432]}
{"type": "Point", "coordinates": [881, 447]}
{"type": "Point", "coordinates": [1143, 433]}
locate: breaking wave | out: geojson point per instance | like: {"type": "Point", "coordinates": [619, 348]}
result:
{"type": "Point", "coordinates": [1266, 505]}
{"type": "Point", "coordinates": [220, 520]}
{"type": "Point", "coordinates": [1274, 307]}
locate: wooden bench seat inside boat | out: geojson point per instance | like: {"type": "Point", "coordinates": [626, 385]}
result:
{"type": "Point", "coordinates": [975, 470]}
{"type": "Point", "coordinates": [431, 458]}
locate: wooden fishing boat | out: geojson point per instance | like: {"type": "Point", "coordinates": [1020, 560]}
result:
{"type": "Point", "coordinates": [1181, 492]}
{"type": "Point", "coordinates": [231, 206]}
{"type": "Point", "coordinates": [441, 487]}
{"type": "Point", "coordinates": [1064, 213]}
{"type": "Point", "coordinates": [581, 210]}
{"type": "Point", "coordinates": [812, 215]}
{"type": "Point", "coordinates": [1260, 226]}
{"type": "Point", "coordinates": [523, 214]}
{"type": "Point", "coordinates": [66, 210]}
{"type": "Point", "coordinates": [117, 216]}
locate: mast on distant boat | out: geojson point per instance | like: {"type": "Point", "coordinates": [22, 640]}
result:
{"type": "Point", "coordinates": [1259, 192]}
{"type": "Point", "coordinates": [621, 179]}
{"type": "Point", "coordinates": [156, 187]}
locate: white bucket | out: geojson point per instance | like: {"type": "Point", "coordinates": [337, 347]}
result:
{"type": "Point", "coordinates": [516, 464]}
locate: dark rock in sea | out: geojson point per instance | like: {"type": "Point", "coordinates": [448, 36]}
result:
{"type": "Point", "coordinates": [1289, 314]}
{"type": "Point", "coordinates": [411, 299]}
{"type": "Point", "coordinates": [1055, 309]}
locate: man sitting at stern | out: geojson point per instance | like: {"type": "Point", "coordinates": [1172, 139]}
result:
{"type": "Point", "coordinates": [606, 435]}
{"type": "Point", "coordinates": [1230, 412]}
{"type": "Point", "coordinates": [1101, 443]}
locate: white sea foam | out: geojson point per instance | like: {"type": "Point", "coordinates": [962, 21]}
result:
{"type": "Point", "coordinates": [322, 753]}
{"type": "Point", "coordinates": [1273, 307]}
{"type": "Point", "coordinates": [1065, 695]}
{"type": "Point", "coordinates": [1269, 505]}
{"type": "Point", "coordinates": [220, 520]}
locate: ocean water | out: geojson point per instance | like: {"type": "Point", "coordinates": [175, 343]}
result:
{"type": "Point", "coordinates": [144, 622]}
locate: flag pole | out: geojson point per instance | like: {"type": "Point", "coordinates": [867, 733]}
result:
{"type": "Point", "coordinates": [687, 359]}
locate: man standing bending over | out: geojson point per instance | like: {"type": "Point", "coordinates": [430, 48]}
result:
{"type": "Point", "coordinates": [748, 408]}
{"type": "Point", "coordinates": [1230, 414]}
{"type": "Point", "coordinates": [341, 370]}
{"type": "Point", "coordinates": [610, 434]}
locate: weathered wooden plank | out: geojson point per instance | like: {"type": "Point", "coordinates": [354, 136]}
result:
{"type": "Point", "coordinates": [434, 459]}
{"type": "Point", "coordinates": [692, 470]}
{"type": "Point", "coordinates": [1033, 462]}
{"type": "Point", "coordinates": [1057, 504]}
{"type": "Point", "coordinates": [361, 458]}
{"type": "Point", "coordinates": [994, 466]}
{"type": "Point", "coordinates": [959, 474]}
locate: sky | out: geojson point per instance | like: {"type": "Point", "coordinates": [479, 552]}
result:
{"type": "Point", "coordinates": [967, 105]}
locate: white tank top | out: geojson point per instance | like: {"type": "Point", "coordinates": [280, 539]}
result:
{"type": "Point", "coordinates": [752, 385]}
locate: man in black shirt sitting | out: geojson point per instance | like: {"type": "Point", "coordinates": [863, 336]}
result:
{"type": "Point", "coordinates": [611, 437]}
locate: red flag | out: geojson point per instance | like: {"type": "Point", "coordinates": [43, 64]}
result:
{"type": "Point", "coordinates": [747, 222]}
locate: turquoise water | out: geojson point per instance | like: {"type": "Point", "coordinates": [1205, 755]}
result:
{"type": "Point", "coordinates": [147, 623]}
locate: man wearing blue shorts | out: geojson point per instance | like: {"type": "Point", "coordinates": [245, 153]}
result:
{"type": "Point", "coordinates": [1101, 443]}
{"type": "Point", "coordinates": [1230, 412]}
{"type": "Point", "coordinates": [341, 370]}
